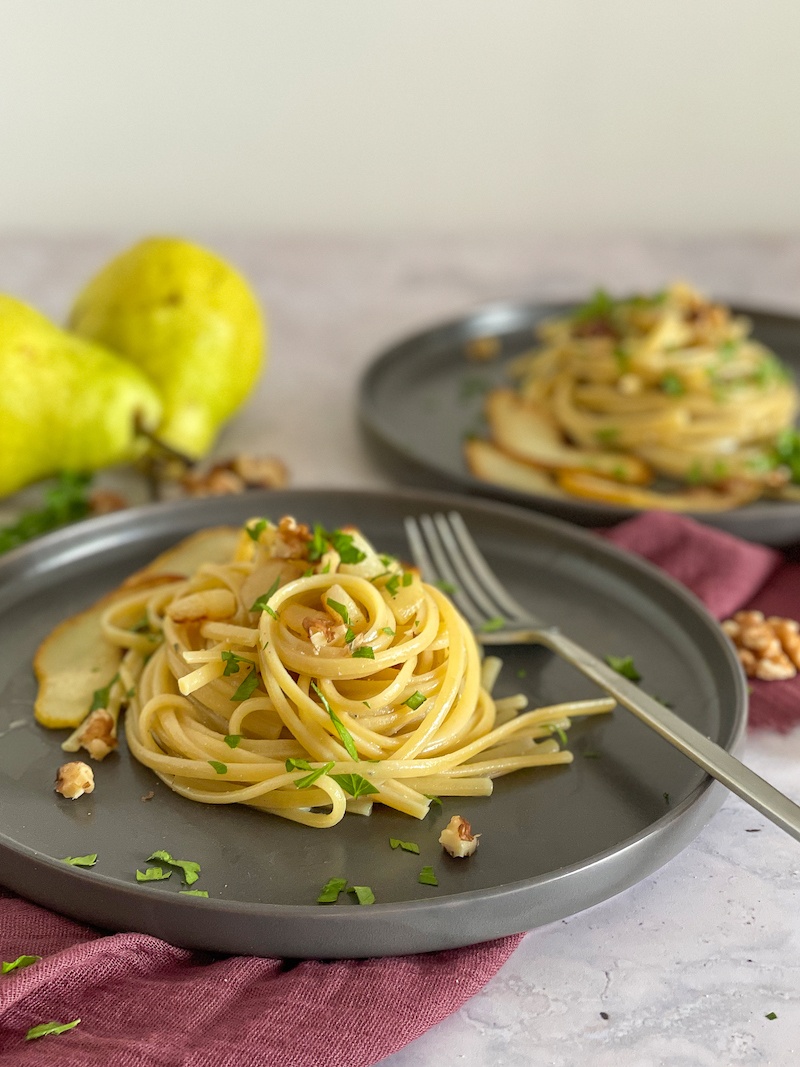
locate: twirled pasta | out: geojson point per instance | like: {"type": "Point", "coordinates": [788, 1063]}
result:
{"type": "Point", "coordinates": [306, 675]}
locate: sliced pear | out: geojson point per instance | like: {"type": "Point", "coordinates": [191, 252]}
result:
{"type": "Point", "coordinates": [605, 490]}
{"type": "Point", "coordinates": [527, 432]}
{"type": "Point", "coordinates": [490, 464]}
{"type": "Point", "coordinates": [75, 659]}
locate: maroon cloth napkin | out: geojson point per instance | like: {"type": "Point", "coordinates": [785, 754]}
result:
{"type": "Point", "coordinates": [144, 1003]}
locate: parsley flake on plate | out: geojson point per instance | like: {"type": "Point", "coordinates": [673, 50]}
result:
{"type": "Point", "coordinates": [153, 874]}
{"type": "Point", "coordinates": [220, 768]}
{"type": "Point", "coordinates": [193, 892]}
{"type": "Point", "coordinates": [81, 861]}
{"type": "Point", "coordinates": [427, 877]}
{"type": "Point", "coordinates": [624, 665]}
{"type": "Point", "coordinates": [191, 870]}
{"type": "Point", "coordinates": [232, 740]}
{"type": "Point", "coordinates": [331, 890]}
{"type": "Point", "coordinates": [363, 894]}
{"type": "Point", "coordinates": [406, 846]}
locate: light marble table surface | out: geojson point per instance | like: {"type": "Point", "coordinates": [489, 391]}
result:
{"type": "Point", "coordinates": [688, 963]}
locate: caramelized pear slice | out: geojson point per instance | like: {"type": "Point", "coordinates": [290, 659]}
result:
{"type": "Point", "coordinates": [489, 464]}
{"type": "Point", "coordinates": [704, 499]}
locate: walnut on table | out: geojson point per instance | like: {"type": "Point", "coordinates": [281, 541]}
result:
{"type": "Point", "coordinates": [768, 648]}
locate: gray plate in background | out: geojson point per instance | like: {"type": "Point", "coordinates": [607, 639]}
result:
{"type": "Point", "coordinates": [421, 397]}
{"type": "Point", "coordinates": [554, 841]}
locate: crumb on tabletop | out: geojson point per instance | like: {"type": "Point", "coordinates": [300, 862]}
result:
{"type": "Point", "coordinates": [74, 779]}
{"type": "Point", "coordinates": [458, 839]}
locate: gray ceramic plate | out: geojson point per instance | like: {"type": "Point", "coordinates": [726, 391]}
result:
{"type": "Point", "coordinates": [554, 841]}
{"type": "Point", "coordinates": [420, 398]}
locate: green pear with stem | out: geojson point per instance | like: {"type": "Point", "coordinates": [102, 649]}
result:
{"type": "Point", "coordinates": [190, 322]}
{"type": "Point", "coordinates": [66, 404]}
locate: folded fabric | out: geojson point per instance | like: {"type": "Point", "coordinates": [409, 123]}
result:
{"type": "Point", "coordinates": [144, 1003]}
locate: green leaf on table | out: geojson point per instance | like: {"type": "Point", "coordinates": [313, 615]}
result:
{"type": "Point", "coordinates": [53, 1027]}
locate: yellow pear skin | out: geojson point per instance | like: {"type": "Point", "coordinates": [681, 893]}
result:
{"type": "Point", "coordinates": [65, 403]}
{"type": "Point", "coordinates": [189, 321]}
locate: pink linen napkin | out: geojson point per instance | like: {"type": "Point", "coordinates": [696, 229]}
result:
{"type": "Point", "coordinates": [145, 1003]}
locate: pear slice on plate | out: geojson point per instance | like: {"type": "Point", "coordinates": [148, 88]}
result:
{"type": "Point", "coordinates": [490, 464]}
{"type": "Point", "coordinates": [75, 659]}
{"type": "Point", "coordinates": [607, 491]}
{"type": "Point", "coordinates": [527, 432]}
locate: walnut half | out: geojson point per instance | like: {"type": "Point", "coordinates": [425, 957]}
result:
{"type": "Point", "coordinates": [458, 839]}
{"type": "Point", "coordinates": [74, 779]}
{"type": "Point", "coordinates": [768, 648]}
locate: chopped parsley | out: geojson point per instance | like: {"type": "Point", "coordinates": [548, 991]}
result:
{"type": "Point", "coordinates": [343, 544]}
{"type": "Point", "coordinates": [388, 631]}
{"type": "Point", "coordinates": [672, 385]}
{"type": "Point", "coordinates": [296, 764]}
{"type": "Point", "coordinates": [393, 584]}
{"type": "Point", "coordinates": [153, 874]}
{"type": "Point", "coordinates": [408, 578]}
{"type": "Point", "coordinates": [340, 610]}
{"type": "Point", "coordinates": [101, 697]}
{"type": "Point", "coordinates": [354, 784]}
{"type": "Point", "coordinates": [232, 740]}
{"type": "Point", "coordinates": [341, 729]}
{"type": "Point", "coordinates": [446, 587]}
{"type": "Point", "coordinates": [493, 625]}
{"type": "Point", "coordinates": [416, 700]}
{"type": "Point", "coordinates": [43, 1029]}
{"type": "Point", "coordinates": [193, 892]}
{"type": "Point", "coordinates": [81, 861]}
{"type": "Point", "coordinates": [433, 799]}
{"type": "Point", "coordinates": [331, 890]}
{"type": "Point", "coordinates": [261, 603]}
{"type": "Point", "coordinates": [624, 665]}
{"type": "Point", "coordinates": [255, 530]}
{"type": "Point", "coordinates": [427, 877]}
{"type": "Point", "coordinates": [771, 1015]}
{"type": "Point", "coordinates": [364, 652]}
{"type": "Point", "coordinates": [363, 894]}
{"type": "Point", "coordinates": [309, 779]}
{"type": "Point", "coordinates": [406, 846]}
{"type": "Point", "coordinates": [19, 962]}
{"type": "Point", "coordinates": [233, 663]}
{"type": "Point", "coordinates": [562, 737]}
{"type": "Point", "coordinates": [248, 686]}
{"type": "Point", "coordinates": [67, 501]}
{"type": "Point", "coordinates": [220, 768]}
{"type": "Point", "coordinates": [191, 870]}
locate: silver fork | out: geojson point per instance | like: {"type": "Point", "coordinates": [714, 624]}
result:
{"type": "Point", "coordinates": [445, 552]}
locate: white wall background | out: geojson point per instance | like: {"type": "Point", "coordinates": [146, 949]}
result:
{"type": "Point", "coordinates": [400, 115]}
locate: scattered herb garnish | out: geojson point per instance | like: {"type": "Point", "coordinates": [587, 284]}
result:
{"type": "Point", "coordinates": [433, 799]}
{"type": "Point", "coordinates": [255, 530]}
{"type": "Point", "coordinates": [331, 890]}
{"type": "Point", "coordinates": [340, 609]}
{"type": "Point", "coordinates": [393, 584]}
{"type": "Point", "coordinates": [43, 1029]}
{"type": "Point", "coordinates": [191, 870]}
{"type": "Point", "coordinates": [343, 544]}
{"type": "Point", "coordinates": [388, 631]}
{"type": "Point", "coordinates": [607, 435]}
{"type": "Point", "coordinates": [232, 740]}
{"type": "Point", "coordinates": [153, 874]}
{"type": "Point", "coordinates": [624, 665]}
{"type": "Point", "coordinates": [65, 502]}
{"type": "Point", "coordinates": [446, 587]}
{"type": "Point", "coordinates": [666, 798]}
{"type": "Point", "coordinates": [341, 729]}
{"type": "Point", "coordinates": [364, 652]}
{"type": "Point", "coordinates": [194, 892]}
{"type": "Point", "coordinates": [493, 625]}
{"type": "Point", "coordinates": [672, 385]}
{"type": "Point", "coordinates": [589, 754]}
{"type": "Point", "coordinates": [427, 877]}
{"type": "Point", "coordinates": [261, 603]}
{"type": "Point", "coordinates": [19, 962]}
{"type": "Point", "coordinates": [309, 779]}
{"type": "Point", "coordinates": [220, 768]}
{"type": "Point", "coordinates": [248, 686]}
{"type": "Point", "coordinates": [406, 846]}
{"type": "Point", "coordinates": [408, 578]}
{"type": "Point", "coordinates": [100, 697]}
{"type": "Point", "coordinates": [562, 737]}
{"type": "Point", "coordinates": [81, 861]}
{"type": "Point", "coordinates": [771, 1015]}
{"type": "Point", "coordinates": [416, 700]}
{"type": "Point", "coordinates": [354, 784]}
{"type": "Point", "coordinates": [297, 764]}
{"type": "Point", "coordinates": [233, 663]}
{"type": "Point", "coordinates": [522, 673]}
{"type": "Point", "coordinates": [363, 894]}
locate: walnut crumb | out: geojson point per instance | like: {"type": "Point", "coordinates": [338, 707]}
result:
{"type": "Point", "coordinates": [74, 779]}
{"type": "Point", "coordinates": [98, 735]}
{"type": "Point", "coordinates": [768, 648]}
{"type": "Point", "coordinates": [458, 839]}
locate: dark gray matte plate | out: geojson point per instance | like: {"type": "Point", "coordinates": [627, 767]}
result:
{"type": "Point", "coordinates": [421, 397]}
{"type": "Point", "coordinates": [553, 841]}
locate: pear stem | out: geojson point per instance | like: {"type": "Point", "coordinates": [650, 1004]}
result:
{"type": "Point", "coordinates": [159, 457]}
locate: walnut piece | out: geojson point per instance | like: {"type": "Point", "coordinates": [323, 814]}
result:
{"type": "Point", "coordinates": [458, 839]}
{"type": "Point", "coordinates": [236, 475]}
{"type": "Point", "coordinates": [74, 779]}
{"type": "Point", "coordinates": [98, 734]}
{"type": "Point", "coordinates": [768, 648]}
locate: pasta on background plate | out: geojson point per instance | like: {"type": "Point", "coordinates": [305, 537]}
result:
{"type": "Point", "coordinates": [297, 670]}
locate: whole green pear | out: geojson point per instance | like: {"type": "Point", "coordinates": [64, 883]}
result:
{"type": "Point", "coordinates": [189, 321]}
{"type": "Point", "coordinates": [65, 403]}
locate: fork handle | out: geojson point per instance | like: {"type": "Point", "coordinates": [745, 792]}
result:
{"type": "Point", "coordinates": [706, 753]}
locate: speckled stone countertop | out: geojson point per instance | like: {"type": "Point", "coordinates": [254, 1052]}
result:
{"type": "Point", "coordinates": [684, 968]}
